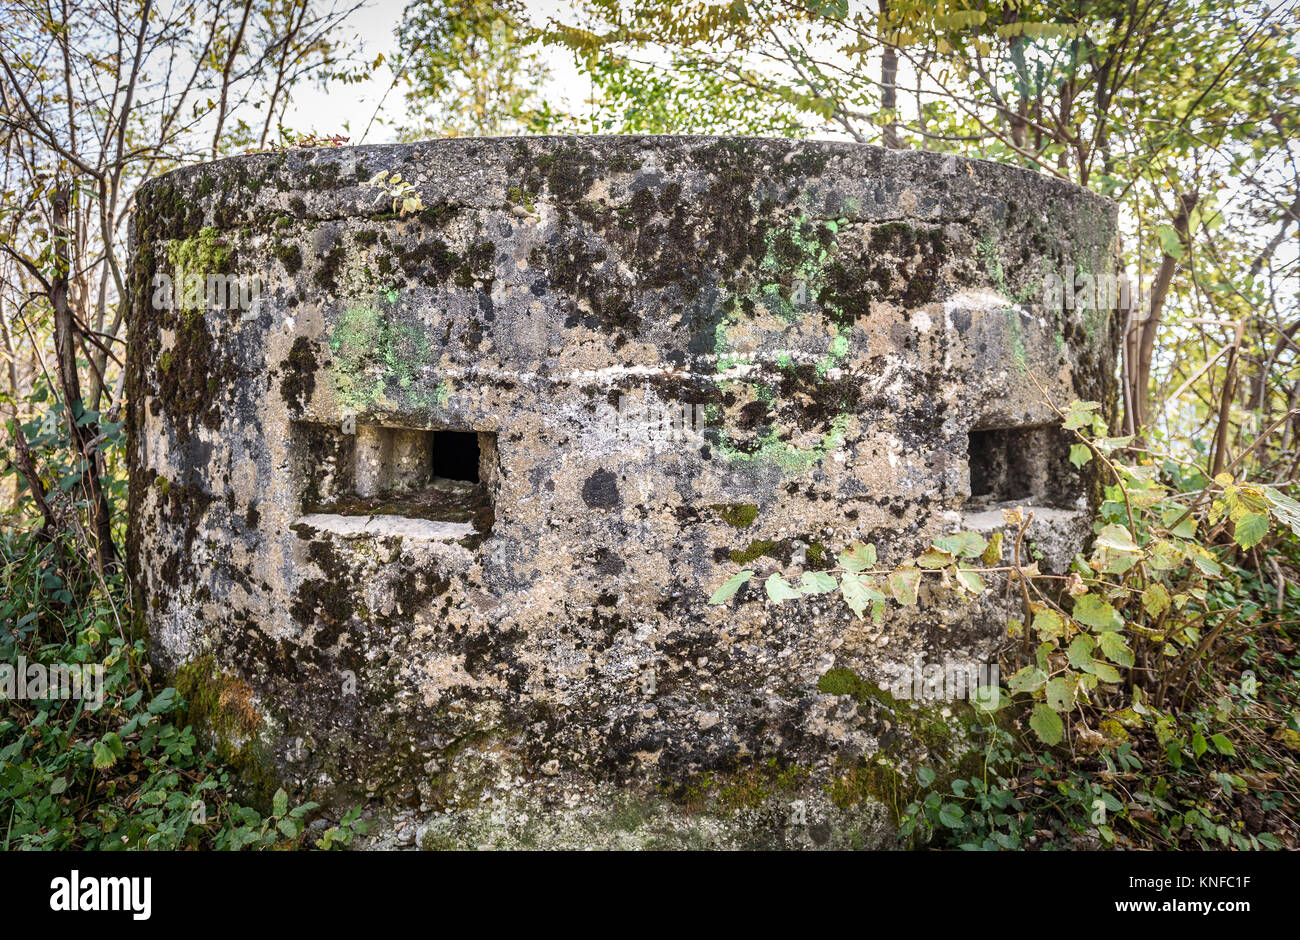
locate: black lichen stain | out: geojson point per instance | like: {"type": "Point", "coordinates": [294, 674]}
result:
{"type": "Point", "coordinates": [600, 491]}
{"type": "Point", "coordinates": [299, 381]}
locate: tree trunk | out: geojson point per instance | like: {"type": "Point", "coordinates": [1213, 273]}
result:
{"type": "Point", "coordinates": [1143, 343]}
{"type": "Point", "coordinates": [83, 433]}
{"type": "Point", "coordinates": [889, 81]}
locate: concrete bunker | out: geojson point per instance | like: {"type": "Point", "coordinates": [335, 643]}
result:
{"type": "Point", "coordinates": [449, 498]}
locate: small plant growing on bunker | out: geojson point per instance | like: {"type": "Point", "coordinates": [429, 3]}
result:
{"type": "Point", "coordinates": [405, 199]}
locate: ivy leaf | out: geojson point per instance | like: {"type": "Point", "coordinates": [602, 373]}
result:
{"type": "Point", "coordinates": [730, 587]}
{"type": "Point", "coordinates": [904, 584]}
{"type": "Point", "coordinates": [817, 582]}
{"type": "Point", "coordinates": [1079, 414]}
{"type": "Point", "coordinates": [858, 557]}
{"type": "Point", "coordinates": [779, 590]}
{"type": "Point", "coordinates": [1047, 724]}
{"type": "Point", "coordinates": [965, 544]}
{"type": "Point", "coordinates": [1250, 528]}
{"type": "Point", "coordinates": [1092, 611]}
{"type": "Point", "coordinates": [163, 702]}
{"type": "Point", "coordinates": [1080, 454]}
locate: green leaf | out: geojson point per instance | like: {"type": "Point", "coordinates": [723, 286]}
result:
{"type": "Point", "coordinates": [1186, 527]}
{"type": "Point", "coordinates": [1080, 454]}
{"type": "Point", "coordinates": [778, 589]}
{"type": "Point", "coordinates": [858, 592]}
{"type": "Point", "coordinates": [1080, 652]}
{"type": "Point", "coordinates": [987, 698]}
{"type": "Point", "coordinates": [1091, 610]}
{"type": "Point", "coordinates": [1048, 624]}
{"type": "Point", "coordinates": [1286, 509]}
{"type": "Point", "coordinates": [925, 776]}
{"type": "Point", "coordinates": [730, 587]}
{"type": "Point", "coordinates": [1117, 538]}
{"type": "Point", "coordinates": [1170, 242]}
{"type": "Point", "coordinates": [1155, 599]}
{"type": "Point", "coordinates": [904, 584]}
{"type": "Point", "coordinates": [1079, 414]}
{"type": "Point", "coordinates": [1198, 744]}
{"type": "Point", "coordinates": [1115, 647]}
{"type": "Point", "coordinates": [965, 544]}
{"type": "Point", "coordinates": [933, 558]}
{"type": "Point", "coordinates": [1059, 694]}
{"type": "Point", "coordinates": [951, 815]}
{"type": "Point", "coordinates": [163, 702]}
{"type": "Point", "coordinates": [970, 580]}
{"type": "Point", "coordinates": [1047, 724]}
{"type": "Point", "coordinates": [858, 557]}
{"type": "Point", "coordinates": [103, 758]}
{"type": "Point", "coordinates": [817, 582]}
{"type": "Point", "coordinates": [1223, 745]}
{"type": "Point", "coordinates": [1165, 556]}
{"type": "Point", "coordinates": [1104, 671]}
{"type": "Point", "coordinates": [1250, 528]}
{"type": "Point", "coordinates": [279, 803]}
{"type": "Point", "coordinates": [993, 554]}
{"type": "Point", "coordinates": [1027, 679]}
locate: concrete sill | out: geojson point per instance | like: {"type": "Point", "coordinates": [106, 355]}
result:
{"type": "Point", "coordinates": [350, 527]}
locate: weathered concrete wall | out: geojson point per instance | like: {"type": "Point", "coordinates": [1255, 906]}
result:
{"type": "Point", "coordinates": [530, 659]}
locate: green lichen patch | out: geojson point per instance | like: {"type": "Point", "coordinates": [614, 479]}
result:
{"type": "Point", "coordinates": [737, 515]}
{"type": "Point", "coordinates": [223, 710]}
{"type": "Point", "coordinates": [377, 359]}
{"type": "Point", "coordinates": [204, 253]}
{"type": "Point", "coordinates": [909, 731]}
